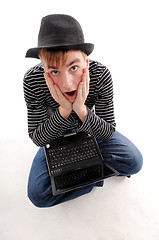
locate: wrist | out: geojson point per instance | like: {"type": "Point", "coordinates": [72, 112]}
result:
{"type": "Point", "coordinates": [65, 112]}
{"type": "Point", "coordinates": [81, 112]}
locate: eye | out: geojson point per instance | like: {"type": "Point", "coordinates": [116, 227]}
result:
{"type": "Point", "coordinates": [55, 72]}
{"type": "Point", "coordinates": [74, 68]}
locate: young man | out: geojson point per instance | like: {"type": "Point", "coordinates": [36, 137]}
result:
{"type": "Point", "coordinates": [68, 91]}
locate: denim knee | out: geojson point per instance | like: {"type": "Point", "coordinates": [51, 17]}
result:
{"type": "Point", "coordinates": [43, 198]}
{"type": "Point", "coordinates": [136, 161]}
{"type": "Point", "coordinates": [40, 195]}
{"type": "Point", "coordinates": [34, 196]}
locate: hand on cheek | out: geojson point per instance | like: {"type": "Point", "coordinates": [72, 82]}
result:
{"type": "Point", "coordinates": [65, 107]}
{"type": "Point", "coordinates": [83, 89]}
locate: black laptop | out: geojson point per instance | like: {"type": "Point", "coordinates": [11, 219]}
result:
{"type": "Point", "coordinates": [74, 161]}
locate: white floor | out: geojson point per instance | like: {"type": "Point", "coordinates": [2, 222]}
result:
{"type": "Point", "coordinates": [124, 209]}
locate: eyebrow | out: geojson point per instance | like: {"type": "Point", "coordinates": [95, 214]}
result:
{"type": "Point", "coordinates": [74, 61]}
{"type": "Point", "coordinates": [69, 64]}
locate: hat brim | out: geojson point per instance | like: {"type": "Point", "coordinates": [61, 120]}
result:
{"type": "Point", "coordinates": [85, 47]}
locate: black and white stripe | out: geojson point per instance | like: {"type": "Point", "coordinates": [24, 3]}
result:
{"type": "Point", "coordinates": [44, 120]}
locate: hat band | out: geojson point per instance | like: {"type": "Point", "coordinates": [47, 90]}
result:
{"type": "Point", "coordinates": [59, 41]}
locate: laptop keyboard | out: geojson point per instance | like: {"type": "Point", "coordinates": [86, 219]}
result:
{"type": "Point", "coordinates": [62, 156]}
{"type": "Point", "coordinates": [77, 177]}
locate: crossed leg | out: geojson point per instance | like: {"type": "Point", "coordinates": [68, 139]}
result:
{"type": "Point", "coordinates": [119, 152]}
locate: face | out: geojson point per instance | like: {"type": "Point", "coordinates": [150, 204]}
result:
{"type": "Point", "coordinates": [68, 74]}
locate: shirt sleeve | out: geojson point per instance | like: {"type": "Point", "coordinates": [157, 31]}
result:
{"type": "Point", "coordinates": [41, 128]}
{"type": "Point", "coordinates": [101, 123]}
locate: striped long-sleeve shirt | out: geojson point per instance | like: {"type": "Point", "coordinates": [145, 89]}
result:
{"type": "Point", "coordinates": [44, 120]}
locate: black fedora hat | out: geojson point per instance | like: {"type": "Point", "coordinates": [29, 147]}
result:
{"type": "Point", "coordinates": [60, 32]}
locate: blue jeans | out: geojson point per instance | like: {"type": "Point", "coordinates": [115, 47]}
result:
{"type": "Point", "coordinates": [119, 152]}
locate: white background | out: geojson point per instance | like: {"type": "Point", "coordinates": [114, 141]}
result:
{"type": "Point", "coordinates": [126, 38]}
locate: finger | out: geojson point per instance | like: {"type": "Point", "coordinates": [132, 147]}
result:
{"type": "Point", "coordinates": [49, 80]}
{"type": "Point", "coordinates": [79, 92]}
{"type": "Point", "coordinates": [87, 81]}
{"type": "Point", "coordinates": [84, 87]}
{"type": "Point", "coordinates": [51, 86]}
{"type": "Point", "coordinates": [62, 99]}
{"type": "Point", "coordinates": [58, 92]}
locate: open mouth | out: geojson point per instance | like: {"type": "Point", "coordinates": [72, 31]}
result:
{"type": "Point", "coordinates": [71, 93]}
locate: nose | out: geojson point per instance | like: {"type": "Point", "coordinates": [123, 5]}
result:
{"type": "Point", "coordinates": [67, 81]}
